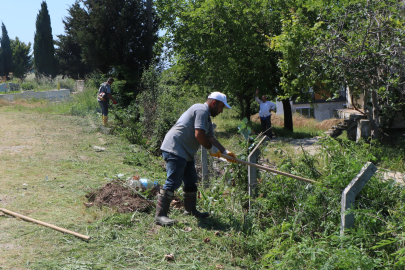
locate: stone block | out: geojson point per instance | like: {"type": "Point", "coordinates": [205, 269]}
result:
{"type": "Point", "coordinates": [350, 193]}
{"type": "Point", "coordinates": [3, 87]}
{"type": "Point", "coordinates": [80, 85]}
{"type": "Point", "coordinates": [363, 129]}
{"type": "Point", "coordinates": [14, 86]}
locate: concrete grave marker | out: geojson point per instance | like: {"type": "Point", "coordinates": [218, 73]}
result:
{"type": "Point", "coordinates": [3, 87]}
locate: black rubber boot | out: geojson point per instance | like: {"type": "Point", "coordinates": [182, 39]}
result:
{"type": "Point", "coordinates": [190, 202]}
{"type": "Point", "coordinates": [162, 207]}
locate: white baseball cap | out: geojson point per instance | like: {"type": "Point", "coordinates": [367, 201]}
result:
{"type": "Point", "coordinates": [219, 96]}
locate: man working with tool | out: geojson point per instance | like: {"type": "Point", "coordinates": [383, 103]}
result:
{"type": "Point", "coordinates": [103, 98]}
{"type": "Point", "coordinates": [265, 114]}
{"type": "Point", "coordinates": [194, 128]}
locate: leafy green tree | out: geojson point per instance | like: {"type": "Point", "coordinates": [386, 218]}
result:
{"type": "Point", "coordinates": [44, 50]}
{"type": "Point", "coordinates": [113, 37]}
{"type": "Point", "coordinates": [22, 59]}
{"type": "Point", "coordinates": [6, 51]}
{"type": "Point", "coordinates": [355, 44]}
{"type": "Point", "coordinates": [69, 56]}
{"type": "Point", "coordinates": [222, 44]}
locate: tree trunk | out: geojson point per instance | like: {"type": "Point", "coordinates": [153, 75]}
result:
{"type": "Point", "coordinates": [242, 106]}
{"type": "Point", "coordinates": [288, 121]}
{"type": "Point", "coordinates": [248, 112]}
{"type": "Point", "coordinates": [375, 124]}
{"type": "Point", "coordinates": [365, 98]}
{"type": "Point", "coordinates": [372, 114]}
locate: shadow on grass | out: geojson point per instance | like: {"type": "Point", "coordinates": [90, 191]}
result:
{"type": "Point", "coordinates": [217, 224]}
{"type": "Point", "coordinates": [213, 223]}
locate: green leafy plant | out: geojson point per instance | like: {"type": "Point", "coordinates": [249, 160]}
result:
{"type": "Point", "coordinates": [27, 86]}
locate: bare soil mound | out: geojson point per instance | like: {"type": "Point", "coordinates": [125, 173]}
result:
{"type": "Point", "coordinates": [115, 195]}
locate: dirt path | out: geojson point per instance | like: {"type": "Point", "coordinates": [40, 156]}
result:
{"type": "Point", "coordinates": [47, 164]}
{"type": "Point", "coordinates": [310, 145]}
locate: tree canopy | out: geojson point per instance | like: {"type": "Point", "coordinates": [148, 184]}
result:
{"type": "Point", "coordinates": [44, 51]}
{"type": "Point", "coordinates": [6, 53]}
{"type": "Point", "coordinates": [355, 44]}
{"type": "Point", "coordinates": [22, 59]}
{"type": "Point", "coordinates": [223, 45]}
{"type": "Point", "coordinates": [112, 34]}
{"type": "Point", "coordinates": [69, 56]}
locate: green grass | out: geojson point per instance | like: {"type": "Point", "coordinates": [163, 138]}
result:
{"type": "Point", "coordinates": [80, 104]}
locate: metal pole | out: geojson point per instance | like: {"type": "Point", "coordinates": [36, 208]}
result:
{"type": "Point", "coordinates": [271, 170]}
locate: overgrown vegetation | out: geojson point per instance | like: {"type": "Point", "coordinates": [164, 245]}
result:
{"type": "Point", "coordinates": [291, 225]}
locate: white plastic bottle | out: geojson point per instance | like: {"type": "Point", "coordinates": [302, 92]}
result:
{"type": "Point", "coordinates": [135, 184]}
{"type": "Point", "coordinates": [147, 184]}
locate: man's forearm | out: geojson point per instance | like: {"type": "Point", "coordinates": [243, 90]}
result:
{"type": "Point", "coordinates": [216, 143]}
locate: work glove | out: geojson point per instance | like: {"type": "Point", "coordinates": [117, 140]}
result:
{"type": "Point", "coordinates": [229, 153]}
{"type": "Point", "coordinates": [115, 102]}
{"type": "Point", "coordinates": [214, 152]}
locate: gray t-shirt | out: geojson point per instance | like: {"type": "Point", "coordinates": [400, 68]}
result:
{"type": "Point", "coordinates": [180, 140]}
{"type": "Point", "coordinates": [105, 87]}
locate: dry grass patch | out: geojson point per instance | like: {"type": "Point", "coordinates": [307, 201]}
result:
{"type": "Point", "coordinates": [300, 122]}
{"type": "Point", "coordinates": [328, 123]}
{"type": "Point", "coordinates": [48, 162]}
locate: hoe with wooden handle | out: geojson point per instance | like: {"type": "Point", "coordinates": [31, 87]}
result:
{"type": "Point", "coordinates": [271, 170]}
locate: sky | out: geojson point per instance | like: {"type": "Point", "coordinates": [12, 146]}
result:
{"type": "Point", "coordinates": [19, 17]}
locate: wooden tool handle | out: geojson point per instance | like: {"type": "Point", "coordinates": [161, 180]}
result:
{"type": "Point", "coordinates": [85, 237]}
{"type": "Point", "coordinates": [271, 170]}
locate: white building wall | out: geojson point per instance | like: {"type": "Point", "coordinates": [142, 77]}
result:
{"type": "Point", "coordinates": [322, 111]}
{"type": "Point", "coordinates": [358, 102]}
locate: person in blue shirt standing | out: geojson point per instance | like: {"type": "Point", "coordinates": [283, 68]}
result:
{"type": "Point", "coordinates": [265, 114]}
{"type": "Point", "coordinates": [193, 129]}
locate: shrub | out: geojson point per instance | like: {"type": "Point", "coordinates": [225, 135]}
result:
{"type": "Point", "coordinates": [27, 86]}
{"type": "Point", "coordinates": [148, 118]}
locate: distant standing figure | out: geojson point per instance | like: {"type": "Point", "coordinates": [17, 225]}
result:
{"type": "Point", "coordinates": [103, 98]}
{"type": "Point", "coordinates": [265, 114]}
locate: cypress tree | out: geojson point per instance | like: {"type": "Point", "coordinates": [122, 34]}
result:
{"type": "Point", "coordinates": [7, 55]}
{"type": "Point", "coordinates": [1, 62]}
{"type": "Point", "coordinates": [113, 37]}
{"type": "Point", "coordinates": [44, 59]}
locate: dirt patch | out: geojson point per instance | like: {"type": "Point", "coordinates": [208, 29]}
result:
{"type": "Point", "coordinates": [4, 200]}
{"type": "Point", "coordinates": [122, 198]}
{"type": "Point", "coordinates": [13, 149]}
